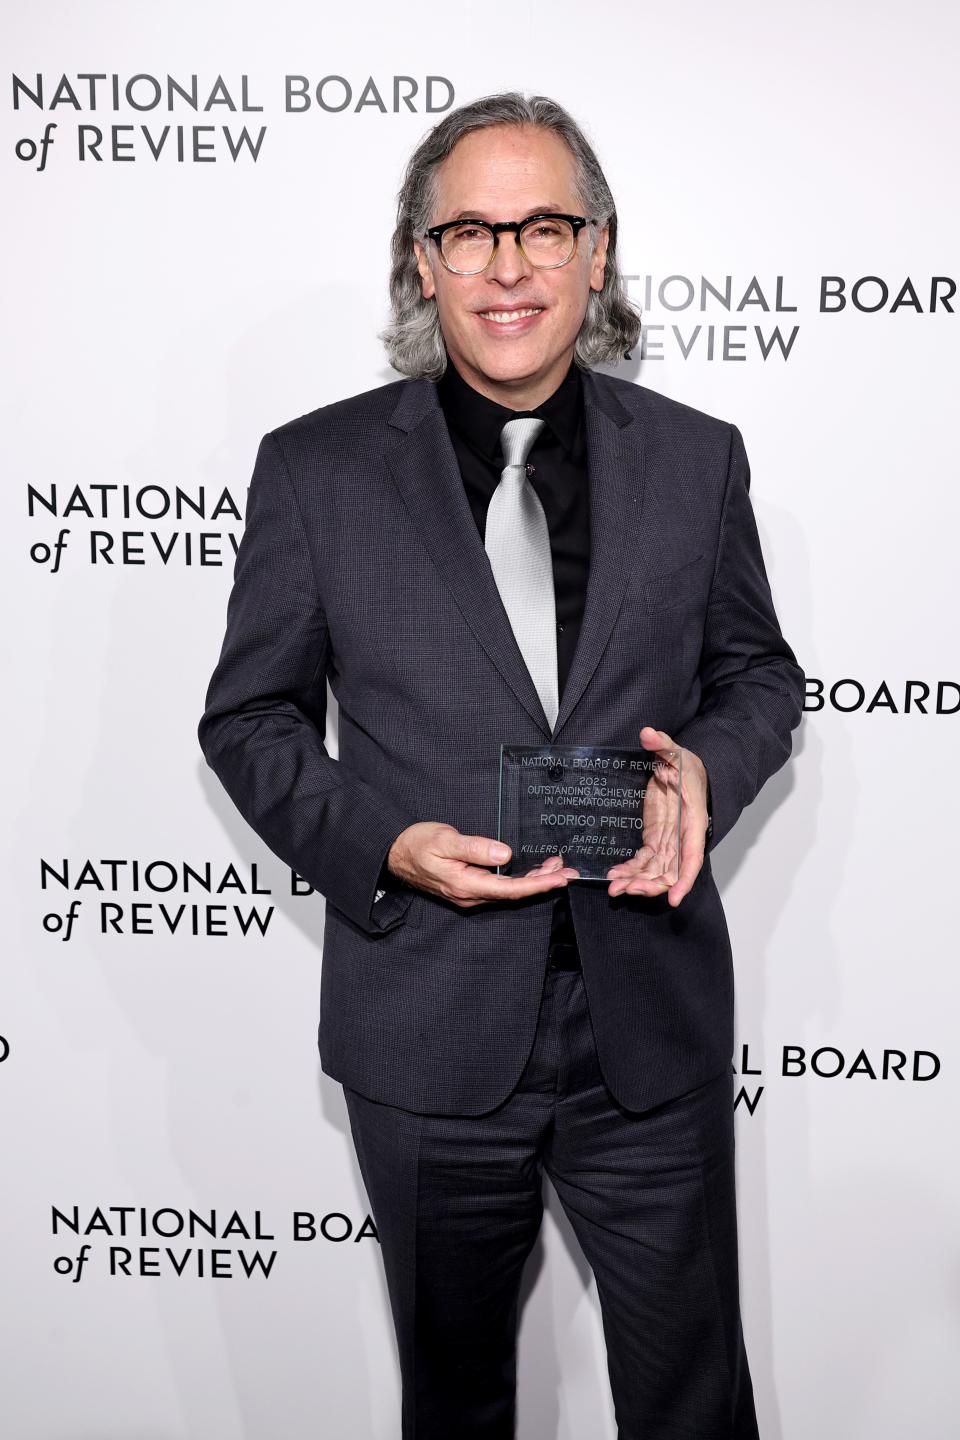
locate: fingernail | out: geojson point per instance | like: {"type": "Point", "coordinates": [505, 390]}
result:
{"type": "Point", "coordinates": [499, 852]}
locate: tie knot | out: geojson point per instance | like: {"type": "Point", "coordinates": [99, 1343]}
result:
{"type": "Point", "coordinates": [517, 437]}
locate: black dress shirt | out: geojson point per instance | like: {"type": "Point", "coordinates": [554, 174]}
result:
{"type": "Point", "coordinates": [558, 459]}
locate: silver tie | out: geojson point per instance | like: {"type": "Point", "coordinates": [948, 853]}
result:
{"type": "Point", "coordinates": [517, 540]}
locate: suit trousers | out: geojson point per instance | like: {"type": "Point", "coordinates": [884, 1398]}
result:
{"type": "Point", "coordinates": [650, 1194]}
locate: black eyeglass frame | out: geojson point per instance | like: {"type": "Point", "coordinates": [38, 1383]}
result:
{"type": "Point", "coordinates": [497, 227]}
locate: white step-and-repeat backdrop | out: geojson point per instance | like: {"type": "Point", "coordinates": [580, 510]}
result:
{"type": "Point", "coordinates": [199, 199]}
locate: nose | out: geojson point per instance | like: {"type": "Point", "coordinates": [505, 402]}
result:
{"type": "Point", "coordinates": [509, 264]}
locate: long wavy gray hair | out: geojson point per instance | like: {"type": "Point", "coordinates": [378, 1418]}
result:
{"type": "Point", "coordinates": [413, 339]}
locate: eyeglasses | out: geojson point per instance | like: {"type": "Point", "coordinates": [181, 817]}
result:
{"type": "Point", "coordinates": [545, 241]}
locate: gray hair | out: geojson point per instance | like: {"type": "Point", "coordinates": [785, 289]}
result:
{"type": "Point", "coordinates": [413, 339]}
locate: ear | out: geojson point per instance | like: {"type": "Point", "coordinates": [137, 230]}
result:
{"type": "Point", "coordinates": [598, 259]}
{"type": "Point", "coordinates": [427, 287]}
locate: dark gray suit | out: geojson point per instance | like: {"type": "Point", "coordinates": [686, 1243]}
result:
{"type": "Point", "coordinates": [361, 564]}
{"type": "Point", "coordinates": [468, 1066]}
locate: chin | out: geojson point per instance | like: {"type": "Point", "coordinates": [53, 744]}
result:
{"type": "Point", "coordinates": [509, 363]}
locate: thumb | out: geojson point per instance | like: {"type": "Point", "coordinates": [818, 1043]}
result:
{"type": "Point", "coordinates": [652, 739]}
{"type": "Point", "coordinates": [481, 850]}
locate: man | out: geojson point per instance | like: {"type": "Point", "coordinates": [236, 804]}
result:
{"type": "Point", "coordinates": [486, 1027]}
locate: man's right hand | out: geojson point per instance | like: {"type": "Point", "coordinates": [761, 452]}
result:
{"type": "Point", "coordinates": [437, 858]}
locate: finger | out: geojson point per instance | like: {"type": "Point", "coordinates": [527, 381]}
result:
{"type": "Point", "coordinates": [651, 871]}
{"type": "Point", "coordinates": [640, 885]}
{"type": "Point", "coordinates": [552, 862]}
{"type": "Point", "coordinates": [634, 865]}
{"type": "Point", "coordinates": [692, 845]}
{"type": "Point", "coordinates": [668, 753]}
{"type": "Point", "coordinates": [652, 739]}
{"type": "Point", "coordinates": [477, 884]}
{"type": "Point", "coordinates": [639, 879]}
{"type": "Point", "coordinates": [473, 849]}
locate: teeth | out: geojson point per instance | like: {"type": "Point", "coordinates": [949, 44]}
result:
{"type": "Point", "coordinates": [502, 317]}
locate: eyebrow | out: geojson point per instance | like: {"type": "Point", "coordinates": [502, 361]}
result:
{"type": "Point", "coordinates": [546, 209]}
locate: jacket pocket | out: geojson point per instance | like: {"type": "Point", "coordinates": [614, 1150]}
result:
{"type": "Point", "coordinates": [661, 592]}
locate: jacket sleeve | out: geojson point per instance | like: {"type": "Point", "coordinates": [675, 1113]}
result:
{"type": "Point", "coordinates": [262, 731]}
{"type": "Point", "coordinates": [752, 687]}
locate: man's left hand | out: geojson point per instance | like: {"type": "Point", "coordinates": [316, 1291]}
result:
{"type": "Point", "coordinates": [632, 877]}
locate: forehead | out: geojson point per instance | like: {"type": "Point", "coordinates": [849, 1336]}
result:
{"type": "Point", "coordinates": [505, 172]}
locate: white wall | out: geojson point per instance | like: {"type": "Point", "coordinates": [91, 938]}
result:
{"type": "Point", "coordinates": [160, 316]}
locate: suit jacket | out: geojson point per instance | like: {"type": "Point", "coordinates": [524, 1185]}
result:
{"type": "Point", "coordinates": [361, 564]}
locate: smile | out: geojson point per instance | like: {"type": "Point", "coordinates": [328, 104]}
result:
{"type": "Point", "coordinates": [503, 317]}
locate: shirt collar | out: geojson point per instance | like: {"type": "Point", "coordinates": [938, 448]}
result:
{"type": "Point", "coordinates": [480, 420]}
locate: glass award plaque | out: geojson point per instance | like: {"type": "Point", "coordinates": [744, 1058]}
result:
{"type": "Point", "coordinates": [595, 806]}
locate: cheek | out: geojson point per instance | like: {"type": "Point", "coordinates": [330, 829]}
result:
{"type": "Point", "coordinates": [456, 306]}
{"type": "Point", "coordinates": [570, 307]}
{"type": "Point", "coordinates": [449, 309]}
{"type": "Point", "coordinates": [571, 297]}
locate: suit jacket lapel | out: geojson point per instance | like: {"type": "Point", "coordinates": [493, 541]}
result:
{"type": "Point", "coordinates": [615, 470]}
{"type": "Point", "coordinates": [424, 466]}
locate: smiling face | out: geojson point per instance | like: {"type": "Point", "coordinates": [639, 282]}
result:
{"type": "Point", "coordinates": [507, 172]}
